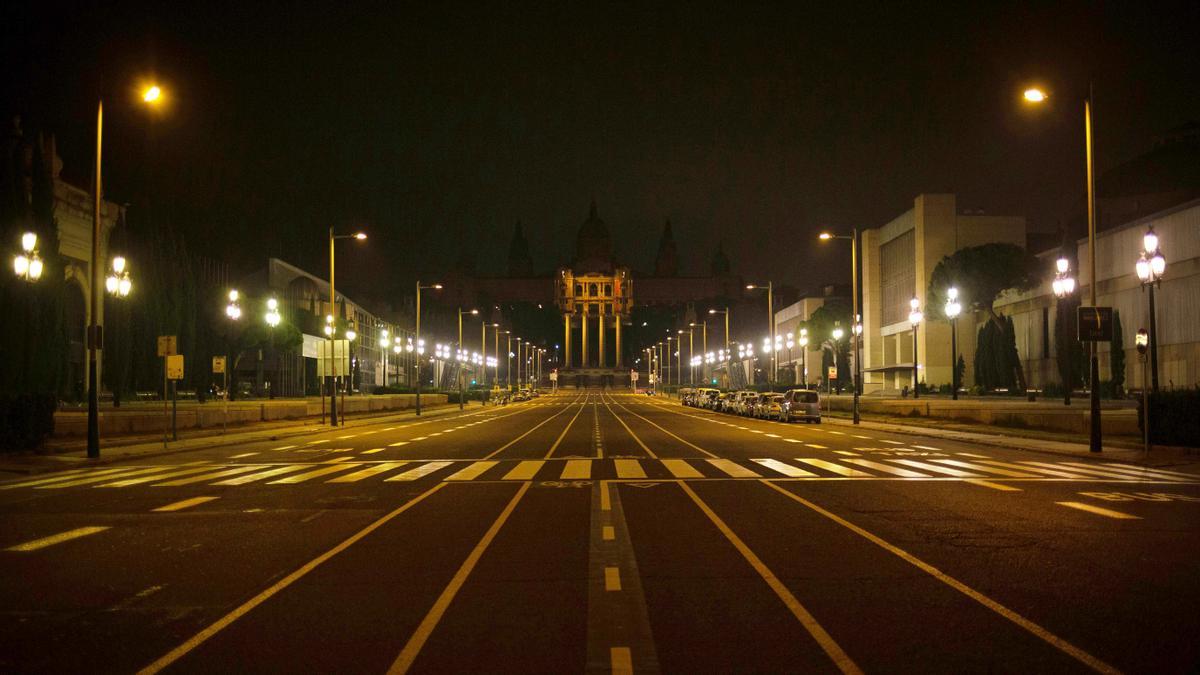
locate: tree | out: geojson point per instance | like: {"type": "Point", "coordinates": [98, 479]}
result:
{"type": "Point", "coordinates": [1066, 342]}
{"type": "Point", "coordinates": [982, 274]}
{"type": "Point", "coordinates": [1117, 358]}
{"type": "Point", "coordinates": [835, 313]}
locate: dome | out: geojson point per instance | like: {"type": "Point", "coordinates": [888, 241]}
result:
{"type": "Point", "coordinates": [593, 246]}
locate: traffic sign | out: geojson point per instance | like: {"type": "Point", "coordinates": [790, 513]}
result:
{"type": "Point", "coordinates": [166, 345]}
{"type": "Point", "coordinates": [218, 365]}
{"type": "Point", "coordinates": [833, 372]}
{"type": "Point", "coordinates": [633, 376]}
{"type": "Point", "coordinates": [175, 367]}
{"type": "Point", "coordinates": [1095, 324]}
{"type": "Point", "coordinates": [554, 376]}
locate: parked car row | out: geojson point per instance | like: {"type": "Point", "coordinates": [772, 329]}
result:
{"type": "Point", "coordinates": [794, 404]}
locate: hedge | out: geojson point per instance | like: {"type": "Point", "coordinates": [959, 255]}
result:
{"type": "Point", "coordinates": [26, 420]}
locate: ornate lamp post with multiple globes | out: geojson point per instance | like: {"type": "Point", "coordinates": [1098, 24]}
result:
{"type": "Point", "coordinates": [1150, 268]}
{"type": "Point", "coordinates": [28, 264]}
{"type": "Point", "coordinates": [952, 310]}
{"type": "Point", "coordinates": [1063, 286]}
{"type": "Point", "coordinates": [914, 318]}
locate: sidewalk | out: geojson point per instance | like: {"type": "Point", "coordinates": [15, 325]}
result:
{"type": "Point", "coordinates": [1122, 450]}
{"type": "Point", "coordinates": [123, 448]}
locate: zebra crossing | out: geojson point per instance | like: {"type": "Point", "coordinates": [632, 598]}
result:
{"type": "Point", "coordinates": [345, 470]}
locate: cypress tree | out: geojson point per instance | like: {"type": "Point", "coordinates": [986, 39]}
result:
{"type": "Point", "coordinates": [1117, 358]}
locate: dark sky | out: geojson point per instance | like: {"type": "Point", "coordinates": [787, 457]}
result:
{"type": "Point", "coordinates": [436, 126]}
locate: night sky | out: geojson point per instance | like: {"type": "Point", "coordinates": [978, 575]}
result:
{"type": "Point", "coordinates": [437, 128]}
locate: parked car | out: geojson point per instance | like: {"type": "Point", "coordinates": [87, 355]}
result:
{"type": "Point", "coordinates": [745, 402]}
{"type": "Point", "coordinates": [801, 404]}
{"type": "Point", "coordinates": [704, 397]}
{"type": "Point", "coordinates": [724, 402]}
{"type": "Point", "coordinates": [772, 409]}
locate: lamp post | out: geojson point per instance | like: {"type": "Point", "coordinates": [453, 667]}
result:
{"type": "Point", "coordinates": [483, 326]}
{"type": "Point", "coordinates": [1035, 95]}
{"type": "Point", "coordinates": [1150, 268]}
{"type": "Point", "coordinates": [838, 333]}
{"type": "Point", "coordinates": [151, 95]}
{"type": "Point", "coordinates": [803, 342]}
{"type": "Point", "coordinates": [28, 265]}
{"type": "Point", "coordinates": [856, 333]}
{"type": "Point", "coordinates": [726, 313]}
{"type": "Point", "coordinates": [384, 343]}
{"type": "Point", "coordinates": [417, 361]}
{"type": "Point", "coordinates": [462, 312]}
{"type": "Point", "coordinates": [508, 362]}
{"type": "Point", "coordinates": [333, 237]}
{"type": "Point", "coordinates": [914, 317]}
{"type": "Point", "coordinates": [272, 318]}
{"type": "Point", "coordinates": [770, 323]}
{"type": "Point", "coordinates": [1142, 340]}
{"type": "Point", "coordinates": [952, 309]}
{"type": "Point", "coordinates": [1063, 286]}
{"type": "Point", "coordinates": [691, 333]}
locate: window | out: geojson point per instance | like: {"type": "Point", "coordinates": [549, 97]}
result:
{"type": "Point", "coordinates": [608, 289]}
{"type": "Point", "coordinates": [897, 277]}
{"type": "Point", "coordinates": [578, 289]}
{"type": "Point", "coordinates": [592, 290]}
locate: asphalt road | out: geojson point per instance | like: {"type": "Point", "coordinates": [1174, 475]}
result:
{"type": "Point", "coordinates": [599, 531]}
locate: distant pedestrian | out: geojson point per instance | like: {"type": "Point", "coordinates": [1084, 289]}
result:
{"type": "Point", "coordinates": [904, 392]}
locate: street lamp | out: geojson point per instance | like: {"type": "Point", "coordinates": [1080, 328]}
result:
{"type": "Point", "coordinates": [726, 313]}
{"type": "Point", "coordinates": [952, 309]}
{"type": "Point", "coordinates": [1036, 96]}
{"type": "Point", "coordinates": [461, 313]}
{"type": "Point", "coordinates": [1151, 266]}
{"type": "Point", "coordinates": [272, 318]}
{"type": "Point", "coordinates": [417, 361]}
{"type": "Point", "coordinates": [856, 345]}
{"type": "Point", "coordinates": [803, 342]}
{"type": "Point", "coordinates": [151, 95]}
{"type": "Point", "coordinates": [914, 317]}
{"type": "Point", "coordinates": [1064, 285]}
{"type": "Point", "coordinates": [118, 282]}
{"type": "Point", "coordinates": [691, 333]}
{"type": "Point", "coordinates": [770, 322]}
{"type": "Point", "coordinates": [233, 310]}
{"type": "Point", "coordinates": [384, 343]}
{"type": "Point", "coordinates": [28, 264]}
{"type": "Point", "coordinates": [329, 329]}
{"type": "Point", "coordinates": [1142, 341]}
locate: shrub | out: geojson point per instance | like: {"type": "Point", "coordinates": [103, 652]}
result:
{"type": "Point", "coordinates": [26, 420]}
{"type": "Point", "coordinates": [1174, 417]}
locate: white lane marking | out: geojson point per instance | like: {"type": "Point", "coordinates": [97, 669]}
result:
{"type": "Point", "coordinates": [1147, 471]}
{"type": "Point", "coordinates": [1107, 513]}
{"type": "Point", "coordinates": [301, 477]}
{"type": "Point", "coordinates": [242, 480]}
{"type": "Point", "coordinates": [577, 469]}
{"type": "Point", "coordinates": [1020, 467]}
{"type": "Point", "coordinates": [989, 484]}
{"type": "Point", "coordinates": [926, 447]}
{"type": "Point", "coordinates": [937, 469]}
{"type": "Point", "coordinates": [372, 451]}
{"type": "Point", "coordinates": [185, 504]}
{"type": "Point", "coordinates": [472, 471]}
{"type": "Point", "coordinates": [792, 440]}
{"type": "Point", "coordinates": [317, 442]}
{"type": "Point", "coordinates": [244, 454]}
{"type": "Point", "coordinates": [397, 444]}
{"type": "Point", "coordinates": [847, 453]}
{"type": "Point", "coordinates": [420, 471]}
{"type": "Point", "coordinates": [884, 440]}
{"type": "Point", "coordinates": [886, 468]}
{"type": "Point", "coordinates": [838, 433]}
{"type": "Point", "coordinates": [420, 438]}
{"type": "Point", "coordinates": [100, 479]}
{"type": "Point", "coordinates": [342, 438]}
{"type": "Point", "coordinates": [1085, 469]}
{"type": "Point", "coordinates": [284, 447]}
{"type": "Point", "coordinates": [785, 469]}
{"type": "Point", "coordinates": [157, 476]}
{"type": "Point", "coordinates": [367, 472]}
{"type": "Point", "coordinates": [56, 538]}
{"type": "Point", "coordinates": [986, 469]}
{"type": "Point", "coordinates": [834, 468]}
{"type": "Point", "coordinates": [733, 469]}
{"type": "Point", "coordinates": [209, 476]}
{"type": "Point", "coordinates": [814, 445]}
{"type": "Point", "coordinates": [612, 579]}
{"type": "Point", "coordinates": [771, 435]}
{"type": "Point", "coordinates": [681, 469]}
{"type": "Point", "coordinates": [865, 438]}
{"type": "Point", "coordinates": [964, 454]}
{"type": "Point", "coordinates": [628, 468]}
{"type": "Point", "coordinates": [525, 470]}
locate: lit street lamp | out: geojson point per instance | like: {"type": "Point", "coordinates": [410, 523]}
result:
{"type": "Point", "coordinates": [803, 342]}
{"type": "Point", "coordinates": [330, 328]}
{"type": "Point", "coordinates": [914, 317]}
{"type": "Point", "coordinates": [417, 361]}
{"type": "Point", "coordinates": [1064, 285]}
{"type": "Point", "coordinates": [28, 264]}
{"type": "Point", "coordinates": [952, 311]}
{"type": "Point", "coordinates": [272, 318]}
{"type": "Point", "coordinates": [1037, 96]}
{"type": "Point", "coordinates": [118, 283]}
{"type": "Point", "coordinates": [855, 347]}
{"type": "Point", "coordinates": [770, 323]}
{"type": "Point", "coordinates": [1150, 268]}
{"type": "Point", "coordinates": [1142, 341]}
{"type": "Point", "coordinates": [726, 313]}
{"type": "Point", "coordinates": [461, 312]}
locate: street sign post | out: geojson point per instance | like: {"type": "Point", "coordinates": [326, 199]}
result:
{"type": "Point", "coordinates": [166, 347]}
{"type": "Point", "coordinates": [1095, 324]}
{"type": "Point", "coordinates": [218, 366]}
{"type": "Point", "coordinates": [174, 374]}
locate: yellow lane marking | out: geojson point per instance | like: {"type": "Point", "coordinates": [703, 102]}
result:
{"type": "Point", "coordinates": [250, 478]}
{"type": "Point", "coordinates": [605, 498]}
{"type": "Point", "coordinates": [806, 619]}
{"type": "Point", "coordinates": [244, 454]}
{"type": "Point", "coordinates": [964, 454]}
{"type": "Point", "coordinates": [814, 445]}
{"type": "Point", "coordinates": [838, 433]}
{"type": "Point", "coordinates": [301, 477]}
{"type": "Point", "coordinates": [1045, 635]}
{"type": "Point", "coordinates": [317, 442]}
{"type": "Point", "coordinates": [146, 479]}
{"type": "Point", "coordinates": [563, 435]}
{"type": "Point", "coordinates": [835, 468]}
{"type": "Point", "coordinates": [785, 469]}
{"type": "Point", "coordinates": [284, 447]}
{"type": "Point", "coordinates": [342, 438]}
{"type": "Point", "coordinates": [989, 484]}
{"type": "Point", "coordinates": [420, 438]}
{"type": "Point", "coordinates": [409, 654]}
{"type": "Point", "coordinates": [367, 472]}
{"type": "Point", "coordinates": [397, 444]}
{"type": "Point", "coordinates": [472, 470]}
{"type": "Point", "coordinates": [1107, 513]}
{"type": "Point", "coordinates": [609, 533]}
{"type": "Point", "coordinates": [419, 472]}
{"type": "Point", "coordinates": [525, 470]}
{"type": "Point", "coordinates": [887, 468]}
{"type": "Point", "coordinates": [621, 661]}
{"type": "Point", "coordinates": [793, 440]}
{"type": "Point", "coordinates": [926, 447]}
{"type": "Point", "coordinates": [733, 469]}
{"type": "Point", "coordinates": [577, 469]}
{"type": "Point", "coordinates": [883, 440]}
{"type": "Point", "coordinates": [612, 578]}
{"type": "Point", "coordinates": [531, 430]}
{"type": "Point", "coordinates": [209, 476]}
{"type": "Point", "coordinates": [867, 438]}
{"type": "Point", "coordinates": [628, 468]}
{"type": "Point", "coordinates": [372, 451]}
{"type": "Point", "coordinates": [199, 638]}
{"type": "Point", "coordinates": [185, 504]}
{"type": "Point", "coordinates": [56, 539]}
{"type": "Point", "coordinates": [681, 469]}
{"type": "Point", "coordinates": [164, 470]}
{"type": "Point", "coordinates": [772, 435]}
{"type": "Point", "coordinates": [656, 426]}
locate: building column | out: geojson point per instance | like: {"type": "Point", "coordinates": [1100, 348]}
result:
{"type": "Point", "coordinates": [617, 322]}
{"type": "Point", "coordinates": [583, 320]}
{"type": "Point", "coordinates": [603, 330]}
{"type": "Point", "coordinates": [567, 338]}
